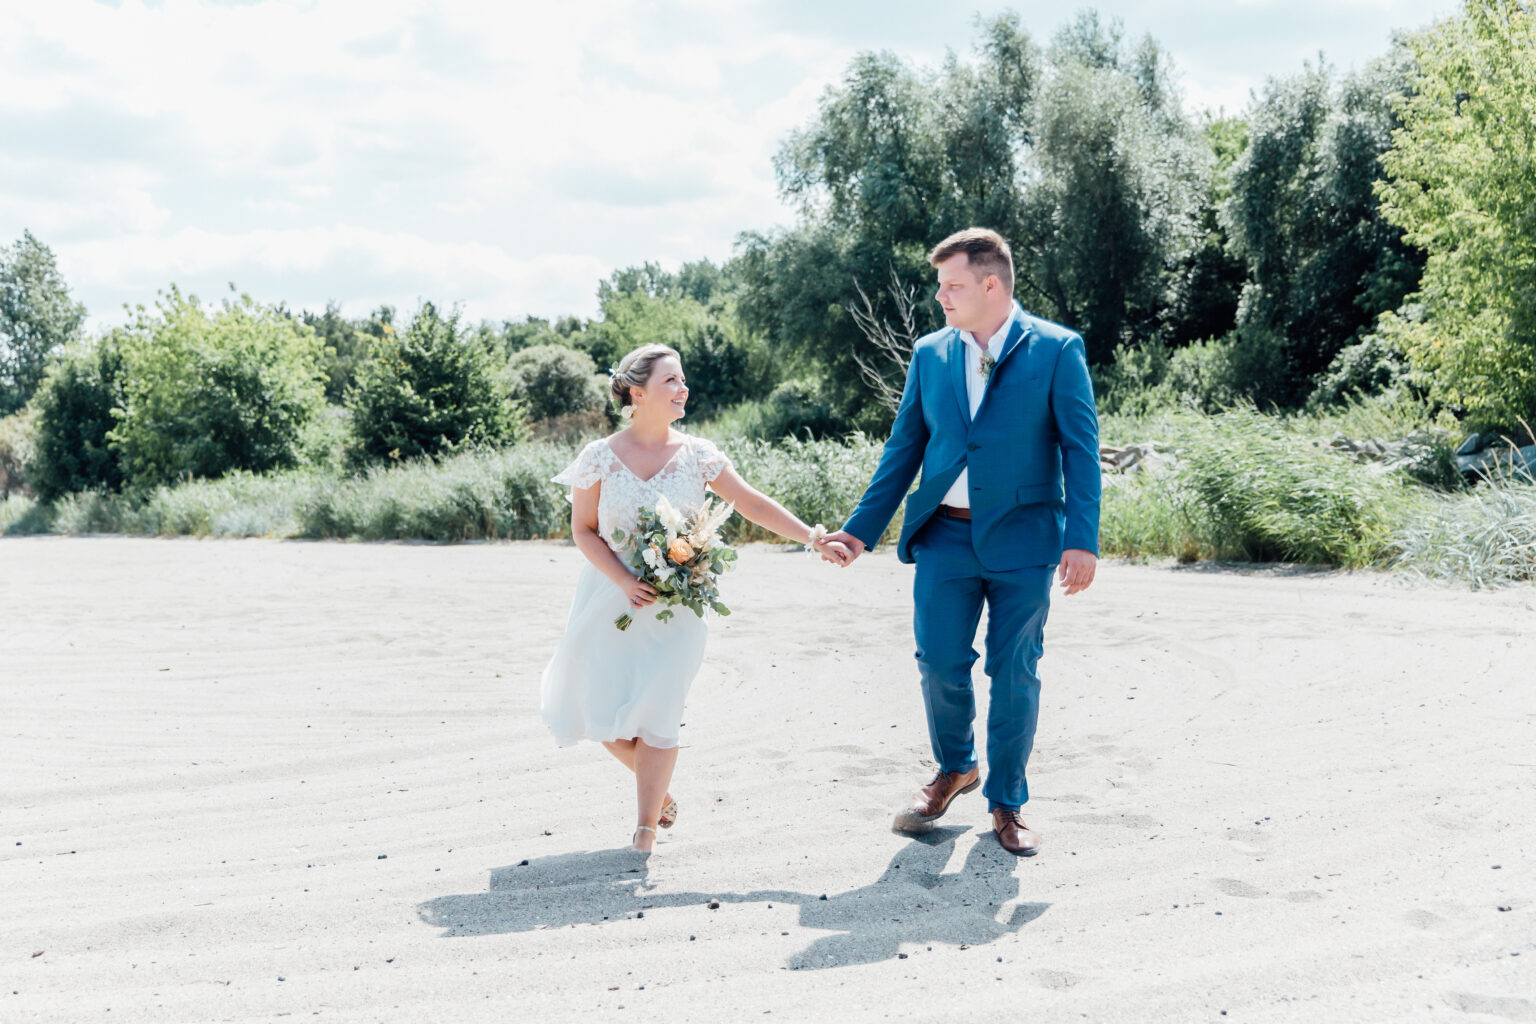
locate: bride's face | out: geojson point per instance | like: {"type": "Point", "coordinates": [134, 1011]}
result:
{"type": "Point", "coordinates": [666, 392]}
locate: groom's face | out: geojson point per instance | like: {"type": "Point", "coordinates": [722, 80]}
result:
{"type": "Point", "coordinates": [963, 294]}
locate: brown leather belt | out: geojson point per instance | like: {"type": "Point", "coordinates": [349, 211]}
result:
{"type": "Point", "coordinates": [951, 512]}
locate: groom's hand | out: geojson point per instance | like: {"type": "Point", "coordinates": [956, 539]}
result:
{"type": "Point", "coordinates": [1076, 569]}
{"type": "Point", "coordinates": [836, 553]}
{"type": "Point", "coordinates": [851, 544]}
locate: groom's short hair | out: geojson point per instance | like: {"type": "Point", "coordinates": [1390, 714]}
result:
{"type": "Point", "coordinates": [986, 252]}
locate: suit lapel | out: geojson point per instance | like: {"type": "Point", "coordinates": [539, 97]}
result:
{"type": "Point", "coordinates": [1017, 333]}
{"type": "Point", "coordinates": [957, 375]}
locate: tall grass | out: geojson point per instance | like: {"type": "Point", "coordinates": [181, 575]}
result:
{"type": "Point", "coordinates": [21, 515]}
{"type": "Point", "coordinates": [819, 481]}
{"type": "Point", "coordinates": [1485, 537]}
{"type": "Point", "coordinates": [504, 495]}
{"type": "Point", "coordinates": [1250, 487]}
{"type": "Point", "coordinates": [1261, 494]}
{"type": "Point", "coordinates": [1245, 487]}
{"type": "Point", "coordinates": [493, 495]}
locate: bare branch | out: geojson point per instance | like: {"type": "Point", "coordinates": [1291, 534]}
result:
{"type": "Point", "coordinates": [889, 344]}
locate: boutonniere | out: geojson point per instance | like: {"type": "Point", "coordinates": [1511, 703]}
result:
{"type": "Point", "coordinates": [987, 363]}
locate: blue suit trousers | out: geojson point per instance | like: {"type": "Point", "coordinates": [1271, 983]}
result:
{"type": "Point", "coordinates": [949, 587]}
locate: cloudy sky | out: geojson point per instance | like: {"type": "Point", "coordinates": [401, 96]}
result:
{"type": "Point", "coordinates": [506, 155]}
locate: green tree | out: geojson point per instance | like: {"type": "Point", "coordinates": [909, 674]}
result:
{"type": "Point", "coordinates": [693, 311]}
{"type": "Point", "coordinates": [516, 335]}
{"type": "Point", "coordinates": [1461, 183]}
{"type": "Point", "coordinates": [1206, 283]}
{"type": "Point", "coordinates": [1121, 174]}
{"type": "Point", "coordinates": [75, 414]}
{"type": "Point", "coordinates": [37, 319]}
{"type": "Point", "coordinates": [1322, 261]}
{"type": "Point", "coordinates": [429, 391]}
{"type": "Point", "coordinates": [1080, 156]}
{"type": "Point", "coordinates": [553, 380]}
{"type": "Point", "coordinates": [205, 393]}
{"type": "Point", "coordinates": [344, 344]}
{"type": "Point", "coordinates": [896, 158]}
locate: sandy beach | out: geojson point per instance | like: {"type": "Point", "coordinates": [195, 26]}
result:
{"type": "Point", "coordinates": [251, 780]}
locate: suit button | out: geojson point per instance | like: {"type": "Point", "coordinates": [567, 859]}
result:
{"type": "Point", "coordinates": [973, 447]}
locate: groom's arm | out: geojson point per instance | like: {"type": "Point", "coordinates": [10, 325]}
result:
{"type": "Point", "coordinates": [1077, 425]}
{"type": "Point", "coordinates": [899, 463]}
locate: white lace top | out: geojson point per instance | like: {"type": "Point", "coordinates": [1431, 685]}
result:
{"type": "Point", "coordinates": [692, 467]}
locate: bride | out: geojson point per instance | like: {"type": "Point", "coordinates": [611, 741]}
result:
{"type": "Point", "coordinates": [625, 689]}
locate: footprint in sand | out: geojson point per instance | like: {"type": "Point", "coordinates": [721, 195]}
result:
{"type": "Point", "coordinates": [1237, 887]}
{"type": "Point", "coordinates": [1056, 979]}
{"type": "Point", "coordinates": [1424, 919]}
{"type": "Point", "coordinates": [1249, 840]}
{"type": "Point", "coordinates": [1136, 821]}
{"type": "Point", "coordinates": [1508, 1007]}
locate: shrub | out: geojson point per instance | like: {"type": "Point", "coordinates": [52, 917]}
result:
{"type": "Point", "coordinates": [204, 395]}
{"type": "Point", "coordinates": [793, 408]}
{"type": "Point", "coordinates": [1132, 382]}
{"type": "Point", "coordinates": [18, 436]}
{"type": "Point", "coordinates": [429, 391]}
{"type": "Point", "coordinates": [1245, 366]}
{"type": "Point", "coordinates": [553, 381]}
{"type": "Point", "coordinates": [1368, 367]}
{"type": "Point", "coordinates": [1219, 373]}
{"type": "Point", "coordinates": [74, 416]}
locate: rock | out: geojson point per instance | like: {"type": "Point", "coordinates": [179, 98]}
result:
{"type": "Point", "coordinates": [1499, 460]}
{"type": "Point", "coordinates": [1471, 446]}
{"type": "Point", "coordinates": [1134, 457]}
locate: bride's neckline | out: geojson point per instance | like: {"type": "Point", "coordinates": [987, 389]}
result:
{"type": "Point", "coordinates": [646, 479]}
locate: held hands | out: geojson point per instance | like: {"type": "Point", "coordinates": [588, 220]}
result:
{"type": "Point", "coordinates": [1076, 569]}
{"type": "Point", "coordinates": [835, 552]}
{"type": "Point", "coordinates": [841, 548]}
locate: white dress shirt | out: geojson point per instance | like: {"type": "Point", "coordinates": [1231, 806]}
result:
{"type": "Point", "coordinates": [959, 494]}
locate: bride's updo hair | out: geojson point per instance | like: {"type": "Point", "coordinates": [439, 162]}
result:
{"type": "Point", "coordinates": [635, 369]}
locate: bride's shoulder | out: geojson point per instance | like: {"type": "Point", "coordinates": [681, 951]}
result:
{"type": "Point", "coordinates": [598, 447]}
{"type": "Point", "coordinates": [707, 455]}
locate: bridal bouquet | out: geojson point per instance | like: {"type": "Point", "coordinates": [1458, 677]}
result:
{"type": "Point", "coordinates": [681, 555]}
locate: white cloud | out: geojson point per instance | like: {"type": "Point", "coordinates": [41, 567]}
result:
{"type": "Point", "coordinates": [406, 267]}
{"type": "Point", "coordinates": [508, 155]}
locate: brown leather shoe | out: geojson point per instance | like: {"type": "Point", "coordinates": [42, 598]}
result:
{"type": "Point", "coordinates": [933, 800]}
{"type": "Point", "coordinates": [1016, 837]}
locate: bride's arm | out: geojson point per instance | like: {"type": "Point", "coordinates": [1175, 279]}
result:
{"type": "Point", "coordinates": [758, 507]}
{"type": "Point", "coordinates": [584, 533]}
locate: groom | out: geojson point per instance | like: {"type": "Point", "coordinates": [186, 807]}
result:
{"type": "Point", "coordinates": [998, 414]}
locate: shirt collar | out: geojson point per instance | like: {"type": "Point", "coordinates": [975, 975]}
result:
{"type": "Point", "coordinates": [996, 341]}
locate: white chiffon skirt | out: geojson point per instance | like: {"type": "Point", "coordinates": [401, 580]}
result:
{"type": "Point", "coordinates": [605, 684]}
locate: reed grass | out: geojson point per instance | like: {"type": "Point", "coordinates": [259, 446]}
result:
{"type": "Point", "coordinates": [1244, 486]}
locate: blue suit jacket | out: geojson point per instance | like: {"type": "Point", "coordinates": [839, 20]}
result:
{"type": "Point", "coordinates": [1032, 449]}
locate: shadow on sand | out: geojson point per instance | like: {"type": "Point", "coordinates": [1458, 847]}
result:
{"type": "Point", "coordinates": [912, 902]}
